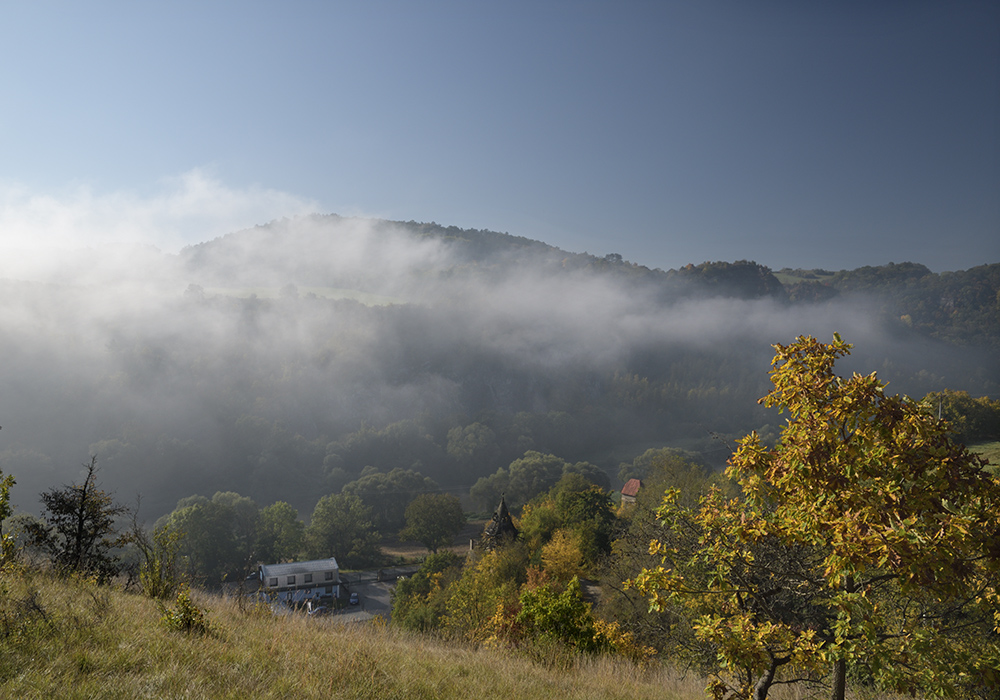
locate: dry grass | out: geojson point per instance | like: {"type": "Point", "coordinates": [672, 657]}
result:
{"type": "Point", "coordinates": [72, 639]}
{"type": "Point", "coordinates": [989, 450]}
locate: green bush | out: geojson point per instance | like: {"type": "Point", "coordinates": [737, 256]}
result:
{"type": "Point", "coordinates": [186, 617]}
{"type": "Point", "coordinates": [158, 574]}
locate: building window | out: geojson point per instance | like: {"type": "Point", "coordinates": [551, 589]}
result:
{"type": "Point", "coordinates": [329, 590]}
{"type": "Point", "coordinates": [328, 576]}
{"type": "Point", "coordinates": [272, 581]}
{"type": "Point", "coordinates": [291, 580]}
{"type": "Point", "coordinates": [308, 578]}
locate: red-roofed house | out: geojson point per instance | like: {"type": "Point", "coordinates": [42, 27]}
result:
{"type": "Point", "coordinates": [630, 490]}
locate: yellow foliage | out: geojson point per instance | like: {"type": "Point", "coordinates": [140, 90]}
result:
{"type": "Point", "coordinates": [852, 538]}
{"type": "Point", "coordinates": [561, 557]}
{"type": "Point", "coordinates": [610, 635]}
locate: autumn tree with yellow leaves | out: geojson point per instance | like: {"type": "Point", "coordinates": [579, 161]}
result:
{"type": "Point", "coordinates": [865, 543]}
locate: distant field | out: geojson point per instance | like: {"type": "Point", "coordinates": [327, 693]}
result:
{"type": "Point", "coordinates": [989, 450]}
{"type": "Point", "coordinates": [788, 276]}
{"type": "Point", "coordinates": [322, 292]}
{"type": "Point", "coordinates": [415, 552]}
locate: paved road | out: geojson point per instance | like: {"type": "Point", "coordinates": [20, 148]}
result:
{"type": "Point", "coordinates": [375, 595]}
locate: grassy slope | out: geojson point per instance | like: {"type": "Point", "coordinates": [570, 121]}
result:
{"type": "Point", "coordinates": [76, 640]}
{"type": "Point", "coordinates": [989, 450]}
{"type": "Point", "coordinates": [789, 276]}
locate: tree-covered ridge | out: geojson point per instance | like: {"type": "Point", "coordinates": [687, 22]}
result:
{"type": "Point", "coordinates": [960, 307]}
{"type": "Point", "coordinates": [479, 244]}
{"type": "Point", "coordinates": [260, 255]}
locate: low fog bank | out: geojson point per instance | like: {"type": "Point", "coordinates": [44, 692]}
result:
{"type": "Point", "coordinates": [240, 365]}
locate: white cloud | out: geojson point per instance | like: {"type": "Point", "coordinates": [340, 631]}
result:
{"type": "Point", "coordinates": [187, 208]}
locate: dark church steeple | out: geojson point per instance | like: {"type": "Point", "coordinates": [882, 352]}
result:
{"type": "Point", "coordinates": [500, 529]}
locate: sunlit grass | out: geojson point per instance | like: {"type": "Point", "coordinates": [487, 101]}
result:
{"type": "Point", "coordinates": [72, 639]}
{"type": "Point", "coordinates": [989, 450]}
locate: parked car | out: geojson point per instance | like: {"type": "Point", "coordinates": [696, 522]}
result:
{"type": "Point", "coordinates": [355, 598]}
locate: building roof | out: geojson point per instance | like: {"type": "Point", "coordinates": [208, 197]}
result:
{"type": "Point", "coordinates": [299, 567]}
{"type": "Point", "coordinates": [501, 528]}
{"type": "Point", "coordinates": [631, 488]}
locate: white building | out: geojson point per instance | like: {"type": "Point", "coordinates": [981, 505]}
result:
{"type": "Point", "coordinates": [301, 581]}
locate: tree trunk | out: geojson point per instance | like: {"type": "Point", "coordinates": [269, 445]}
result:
{"type": "Point", "coordinates": [767, 679]}
{"type": "Point", "coordinates": [839, 685]}
{"type": "Point", "coordinates": [763, 684]}
{"type": "Point", "coordinates": [839, 681]}
{"type": "Point", "coordinates": [79, 549]}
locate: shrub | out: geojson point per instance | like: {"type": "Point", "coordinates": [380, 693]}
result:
{"type": "Point", "coordinates": [186, 617]}
{"type": "Point", "coordinates": [158, 572]}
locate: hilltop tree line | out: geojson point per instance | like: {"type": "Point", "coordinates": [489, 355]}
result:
{"type": "Point", "coordinates": [961, 307]}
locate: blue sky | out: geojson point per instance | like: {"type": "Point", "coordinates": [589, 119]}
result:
{"type": "Point", "coordinates": [816, 134]}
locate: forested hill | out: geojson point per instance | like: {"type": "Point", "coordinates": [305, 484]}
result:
{"type": "Point", "coordinates": [284, 361]}
{"type": "Point", "coordinates": [312, 251]}
{"type": "Point", "coordinates": [961, 307]}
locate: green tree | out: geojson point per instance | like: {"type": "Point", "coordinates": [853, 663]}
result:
{"type": "Point", "coordinates": [584, 511]}
{"type": "Point", "coordinates": [678, 468]}
{"type": "Point", "coordinates": [561, 616]}
{"type": "Point", "coordinates": [590, 513]}
{"type": "Point", "coordinates": [591, 472]}
{"type": "Point", "coordinates": [387, 495]}
{"type": "Point", "coordinates": [401, 445]}
{"type": "Point", "coordinates": [433, 519]}
{"type": "Point", "coordinates": [341, 526]}
{"type": "Point", "coordinates": [970, 419]}
{"type": "Point", "coordinates": [539, 521]}
{"type": "Point", "coordinates": [244, 521]}
{"type": "Point", "coordinates": [218, 536]}
{"type": "Point", "coordinates": [80, 526]}
{"type": "Point", "coordinates": [487, 490]}
{"type": "Point", "coordinates": [280, 533]}
{"type": "Point", "coordinates": [209, 550]}
{"type": "Point", "coordinates": [475, 443]}
{"type": "Point", "coordinates": [883, 527]}
{"type": "Point", "coordinates": [420, 601]}
{"type": "Point", "coordinates": [532, 474]}
{"type": "Point", "coordinates": [490, 581]}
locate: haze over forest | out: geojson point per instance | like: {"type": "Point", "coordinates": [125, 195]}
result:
{"type": "Point", "coordinates": [280, 361]}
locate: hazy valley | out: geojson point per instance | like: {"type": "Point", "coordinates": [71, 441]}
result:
{"type": "Point", "coordinates": [280, 361]}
